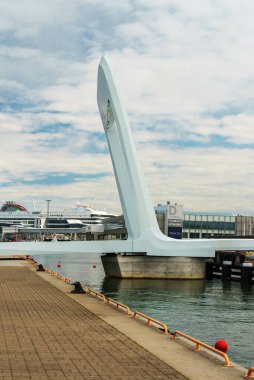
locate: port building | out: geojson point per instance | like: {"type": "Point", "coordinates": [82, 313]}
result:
{"type": "Point", "coordinates": [202, 225]}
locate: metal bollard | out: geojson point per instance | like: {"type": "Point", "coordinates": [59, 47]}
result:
{"type": "Point", "coordinates": [40, 268]}
{"type": "Point", "coordinates": [226, 270]}
{"type": "Point", "coordinates": [246, 273]}
{"type": "Point", "coordinates": [78, 288]}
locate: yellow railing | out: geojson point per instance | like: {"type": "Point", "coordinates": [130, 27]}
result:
{"type": "Point", "coordinates": [32, 261]}
{"type": "Point", "coordinates": [21, 257]}
{"type": "Point", "coordinates": [118, 305]}
{"type": "Point", "coordinates": [151, 320]}
{"type": "Point", "coordinates": [249, 373]}
{"type": "Point", "coordinates": [58, 275]}
{"type": "Point", "coordinates": [28, 258]}
{"type": "Point", "coordinates": [97, 294]}
{"type": "Point", "coordinates": [199, 343]}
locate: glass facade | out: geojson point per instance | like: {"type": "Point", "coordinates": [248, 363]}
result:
{"type": "Point", "coordinates": [199, 225]}
{"type": "Point", "coordinates": [208, 225]}
{"type": "Point", "coordinates": [204, 225]}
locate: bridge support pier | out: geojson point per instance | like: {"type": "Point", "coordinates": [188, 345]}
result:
{"type": "Point", "coordinates": [153, 267]}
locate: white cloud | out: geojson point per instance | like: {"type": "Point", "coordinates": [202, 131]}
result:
{"type": "Point", "coordinates": [185, 71]}
{"type": "Point", "coordinates": [238, 129]}
{"type": "Point", "coordinates": [200, 178]}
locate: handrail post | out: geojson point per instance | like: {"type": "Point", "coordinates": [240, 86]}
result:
{"type": "Point", "coordinates": [198, 346]}
{"type": "Point", "coordinates": [249, 373]}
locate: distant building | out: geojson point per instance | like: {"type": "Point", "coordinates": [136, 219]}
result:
{"type": "Point", "coordinates": [197, 225]}
{"type": "Point", "coordinates": [244, 225]}
{"type": "Point", "coordinates": [170, 219]}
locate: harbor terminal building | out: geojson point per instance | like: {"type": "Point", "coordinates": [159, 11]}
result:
{"type": "Point", "coordinates": [176, 223]}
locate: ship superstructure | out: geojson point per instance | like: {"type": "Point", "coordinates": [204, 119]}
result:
{"type": "Point", "coordinates": [12, 213]}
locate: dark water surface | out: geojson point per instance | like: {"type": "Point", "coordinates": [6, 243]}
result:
{"type": "Point", "coordinates": [207, 310]}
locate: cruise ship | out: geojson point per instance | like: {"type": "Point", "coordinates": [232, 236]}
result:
{"type": "Point", "coordinates": [12, 213]}
{"type": "Point", "coordinates": [78, 216]}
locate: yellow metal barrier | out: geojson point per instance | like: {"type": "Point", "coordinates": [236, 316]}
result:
{"type": "Point", "coordinates": [199, 343]}
{"type": "Point", "coordinates": [58, 275]}
{"type": "Point", "coordinates": [25, 257]}
{"type": "Point", "coordinates": [21, 257]}
{"type": "Point", "coordinates": [249, 373]}
{"type": "Point", "coordinates": [149, 320]}
{"type": "Point", "coordinates": [118, 304]}
{"type": "Point", "coordinates": [31, 261]}
{"type": "Point", "coordinates": [97, 294]}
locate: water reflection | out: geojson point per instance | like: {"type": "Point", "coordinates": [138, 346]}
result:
{"type": "Point", "coordinates": [173, 286]}
{"type": "Point", "coordinates": [208, 310]}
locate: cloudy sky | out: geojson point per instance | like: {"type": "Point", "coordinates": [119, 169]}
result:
{"type": "Point", "coordinates": [186, 74]}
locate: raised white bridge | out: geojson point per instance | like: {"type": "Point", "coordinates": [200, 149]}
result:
{"type": "Point", "coordinates": [144, 234]}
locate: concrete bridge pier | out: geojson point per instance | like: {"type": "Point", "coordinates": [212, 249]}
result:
{"type": "Point", "coordinates": [129, 265]}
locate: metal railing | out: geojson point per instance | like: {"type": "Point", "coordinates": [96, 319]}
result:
{"type": "Point", "coordinates": [199, 343]}
{"type": "Point", "coordinates": [118, 305]}
{"type": "Point", "coordinates": [32, 261]}
{"type": "Point", "coordinates": [151, 320]}
{"type": "Point", "coordinates": [97, 294]}
{"type": "Point", "coordinates": [249, 373]}
{"type": "Point", "coordinates": [58, 275]}
{"type": "Point", "coordinates": [22, 257]}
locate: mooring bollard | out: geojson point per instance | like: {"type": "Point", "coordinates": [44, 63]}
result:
{"type": "Point", "coordinates": [246, 273]}
{"type": "Point", "coordinates": [209, 270]}
{"type": "Point", "coordinates": [226, 270]}
{"type": "Point", "coordinates": [40, 268]}
{"type": "Point", "coordinates": [78, 288]}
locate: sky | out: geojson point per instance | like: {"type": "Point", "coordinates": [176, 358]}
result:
{"type": "Point", "coordinates": [186, 76]}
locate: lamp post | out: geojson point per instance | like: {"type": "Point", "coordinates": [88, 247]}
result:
{"type": "Point", "coordinates": [47, 218]}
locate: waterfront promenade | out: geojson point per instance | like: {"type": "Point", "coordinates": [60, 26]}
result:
{"type": "Point", "coordinates": [48, 333]}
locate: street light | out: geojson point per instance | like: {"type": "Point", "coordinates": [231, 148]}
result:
{"type": "Point", "coordinates": [48, 200]}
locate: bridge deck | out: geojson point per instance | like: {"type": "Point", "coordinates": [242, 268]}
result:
{"type": "Point", "coordinates": [45, 334]}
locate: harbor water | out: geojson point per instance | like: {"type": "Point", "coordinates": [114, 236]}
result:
{"type": "Point", "coordinates": [207, 310]}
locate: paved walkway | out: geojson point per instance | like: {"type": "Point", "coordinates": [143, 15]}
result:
{"type": "Point", "coordinates": [44, 334]}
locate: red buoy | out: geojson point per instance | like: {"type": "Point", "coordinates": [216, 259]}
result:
{"type": "Point", "coordinates": [221, 345]}
{"type": "Point", "coordinates": [59, 264]}
{"type": "Point", "coordinates": [94, 266]}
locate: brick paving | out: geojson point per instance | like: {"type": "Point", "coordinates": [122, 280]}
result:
{"type": "Point", "coordinates": [44, 334]}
